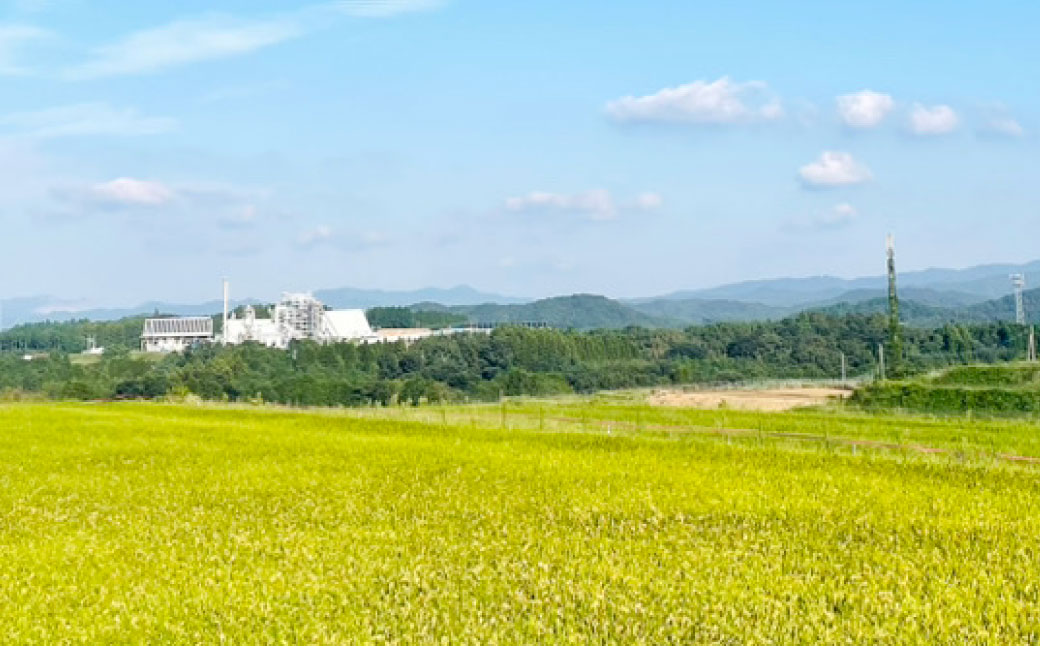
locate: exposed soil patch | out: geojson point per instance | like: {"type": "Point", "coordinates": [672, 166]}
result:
{"type": "Point", "coordinates": [772, 399]}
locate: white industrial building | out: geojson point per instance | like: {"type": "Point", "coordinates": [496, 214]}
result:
{"type": "Point", "coordinates": [176, 334]}
{"type": "Point", "coordinates": [298, 317]}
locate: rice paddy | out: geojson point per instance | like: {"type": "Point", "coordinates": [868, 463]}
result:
{"type": "Point", "coordinates": [535, 522]}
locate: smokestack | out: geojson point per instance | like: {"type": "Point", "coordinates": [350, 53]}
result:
{"type": "Point", "coordinates": [223, 325]}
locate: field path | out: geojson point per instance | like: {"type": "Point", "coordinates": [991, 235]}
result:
{"type": "Point", "coordinates": [766, 400]}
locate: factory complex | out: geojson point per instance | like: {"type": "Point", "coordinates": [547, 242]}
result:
{"type": "Point", "coordinates": [296, 317]}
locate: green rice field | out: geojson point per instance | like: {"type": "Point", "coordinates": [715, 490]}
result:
{"type": "Point", "coordinates": [578, 521]}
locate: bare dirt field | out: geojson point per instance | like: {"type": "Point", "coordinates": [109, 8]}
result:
{"type": "Point", "coordinates": [772, 399]}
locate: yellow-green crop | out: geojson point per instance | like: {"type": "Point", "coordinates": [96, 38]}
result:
{"type": "Point", "coordinates": [164, 524]}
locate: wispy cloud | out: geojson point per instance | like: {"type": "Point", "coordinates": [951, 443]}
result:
{"type": "Point", "coordinates": [833, 169]}
{"type": "Point", "coordinates": [1004, 125]}
{"type": "Point", "coordinates": [997, 121]}
{"type": "Point", "coordinates": [323, 235]}
{"type": "Point", "coordinates": [315, 236]}
{"type": "Point", "coordinates": [228, 207]}
{"type": "Point", "coordinates": [720, 102]}
{"type": "Point", "coordinates": [130, 192]}
{"type": "Point", "coordinates": [34, 6]}
{"type": "Point", "coordinates": [647, 202]}
{"type": "Point", "coordinates": [219, 36]}
{"type": "Point", "coordinates": [386, 8]}
{"type": "Point", "coordinates": [865, 109]}
{"type": "Point", "coordinates": [14, 39]}
{"type": "Point", "coordinates": [183, 42]}
{"type": "Point", "coordinates": [245, 91]}
{"type": "Point", "coordinates": [839, 216]}
{"type": "Point", "coordinates": [242, 217]}
{"type": "Point", "coordinates": [596, 204]}
{"type": "Point", "coordinates": [935, 120]}
{"type": "Point", "coordinates": [84, 119]}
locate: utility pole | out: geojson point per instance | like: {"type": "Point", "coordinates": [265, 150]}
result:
{"type": "Point", "coordinates": [895, 341]}
{"type": "Point", "coordinates": [843, 370]}
{"type": "Point", "coordinates": [881, 360]}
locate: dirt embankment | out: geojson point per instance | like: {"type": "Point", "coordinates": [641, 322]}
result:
{"type": "Point", "coordinates": [772, 399]}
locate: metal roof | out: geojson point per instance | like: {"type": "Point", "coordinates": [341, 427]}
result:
{"type": "Point", "coordinates": [195, 327]}
{"type": "Point", "coordinates": [341, 325]}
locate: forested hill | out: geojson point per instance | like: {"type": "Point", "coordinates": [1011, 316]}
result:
{"type": "Point", "coordinates": [580, 311]}
{"type": "Point", "coordinates": [918, 308]}
{"type": "Point", "coordinates": [921, 315]}
{"type": "Point", "coordinates": [910, 312]}
{"type": "Point", "coordinates": [700, 311]}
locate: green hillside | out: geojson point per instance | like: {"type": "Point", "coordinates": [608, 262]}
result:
{"type": "Point", "coordinates": [579, 311]}
{"type": "Point", "coordinates": [911, 312]}
{"type": "Point", "coordinates": [699, 311]}
{"type": "Point", "coordinates": [918, 314]}
{"type": "Point", "coordinates": [1003, 309]}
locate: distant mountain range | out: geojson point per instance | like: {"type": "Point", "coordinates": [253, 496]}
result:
{"type": "Point", "coordinates": [42, 308]}
{"type": "Point", "coordinates": [924, 315]}
{"type": "Point", "coordinates": [584, 311]}
{"type": "Point", "coordinates": [929, 297]}
{"type": "Point", "coordinates": [351, 298]}
{"type": "Point", "coordinates": [975, 284]}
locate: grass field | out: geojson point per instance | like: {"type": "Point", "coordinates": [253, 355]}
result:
{"type": "Point", "coordinates": [534, 522]}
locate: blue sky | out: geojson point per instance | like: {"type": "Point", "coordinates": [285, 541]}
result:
{"type": "Point", "coordinates": [532, 148]}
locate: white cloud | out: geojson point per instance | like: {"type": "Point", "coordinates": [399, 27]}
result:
{"type": "Point", "coordinates": [240, 217]}
{"type": "Point", "coordinates": [13, 40]}
{"type": "Point", "coordinates": [838, 216]}
{"type": "Point", "coordinates": [183, 42]}
{"type": "Point", "coordinates": [217, 36]}
{"type": "Point", "coordinates": [228, 207]}
{"type": "Point", "coordinates": [315, 236]}
{"type": "Point", "coordinates": [865, 109]}
{"type": "Point", "coordinates": [935, 120]}
{"type": "Point", "coordinates": [834, 169]}
{"type": "Point", "coordinates": [1005, 126]}
{"type": "Point", "coordinates": [596, 204]}
{"type": "Point", "coordinates": [244, 91]}
{"type": "Point", "coordinates": [85, 119]}
{"type": "Point", "coordinates": [648, 202]}
{"type": "Point", "coordinates": [701, 102]}
{"type": "Point", "coordinates": [386, 8]}
{"type": "Point", "coordinates": [126, 191]}
{"type": "Point", "coordinates": [347, 242]}
{"type": "Point", "coordinates": [37, 6]}
{"type": "Point", "coordinates": [368, 239]}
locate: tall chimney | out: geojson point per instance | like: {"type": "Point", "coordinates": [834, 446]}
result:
{"type": "Point", "coordinates": [223, 325]}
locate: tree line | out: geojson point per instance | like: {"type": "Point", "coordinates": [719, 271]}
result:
{"type": "Point", "coordinates": [509, 361]}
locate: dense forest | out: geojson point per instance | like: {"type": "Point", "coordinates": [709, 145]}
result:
{"type": "Point", "coordinates": [509, 361]}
